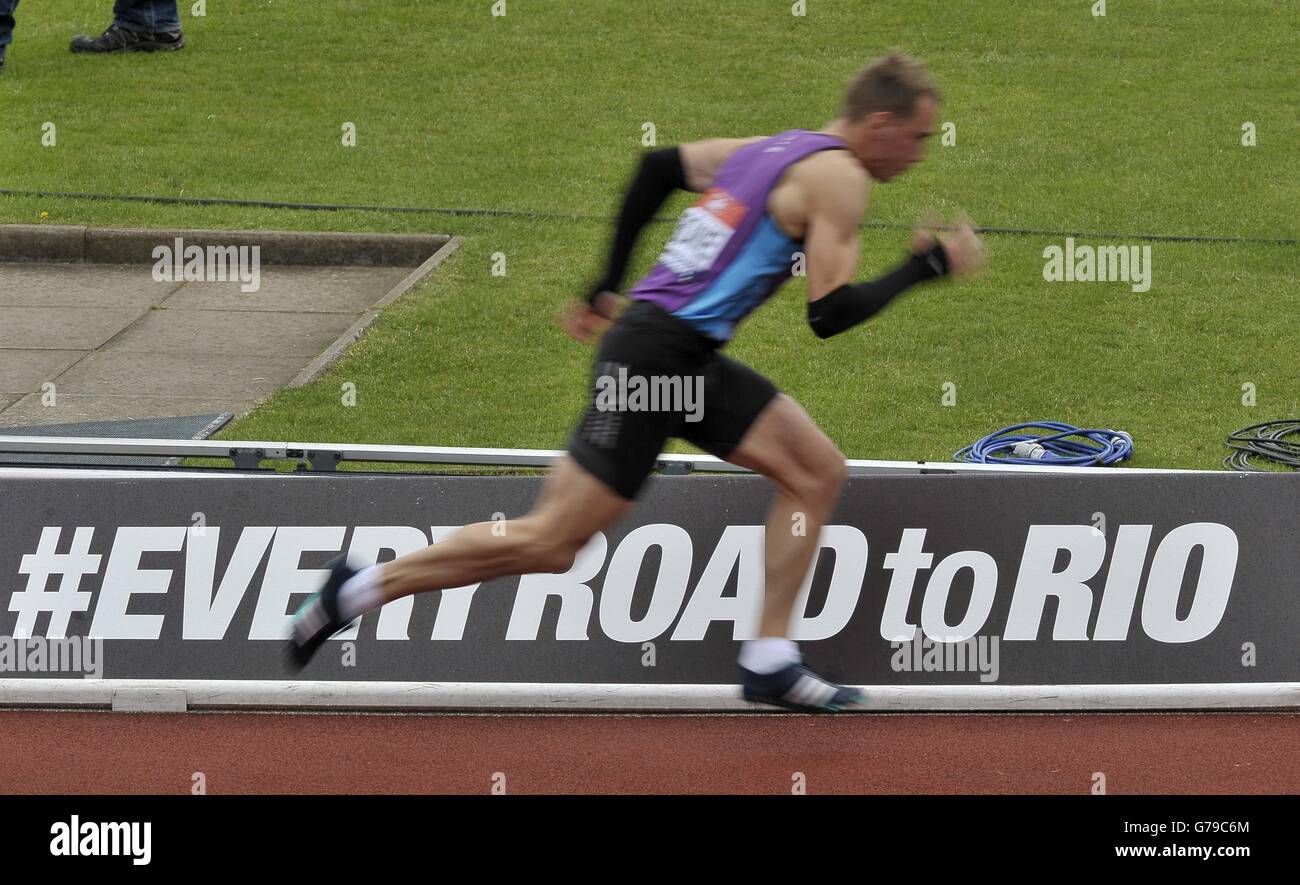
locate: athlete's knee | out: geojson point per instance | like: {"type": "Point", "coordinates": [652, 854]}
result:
{"type": "Point", "coordinates": [836, 471]}
{"type": "Point", "coordinates": [546, 546]}
{"type": "Point", "coordinates": [559, 555]}
{"type": "Point", "coordinates": [826, 481]}
{"type": "Point", "coordinates": [821, 474]}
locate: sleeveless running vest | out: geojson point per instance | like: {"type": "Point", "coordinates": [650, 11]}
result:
{"type": "Point", "coordinates": [727, 256]}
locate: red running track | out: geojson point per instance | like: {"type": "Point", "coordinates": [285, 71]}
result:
{"type": "Point", "coordinates": [101, 752]}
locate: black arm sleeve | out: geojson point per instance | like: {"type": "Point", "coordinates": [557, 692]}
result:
{"type": "Point", "coordinates": [849, 305]}
{"type": "Point", "coordinates": [659, 174]}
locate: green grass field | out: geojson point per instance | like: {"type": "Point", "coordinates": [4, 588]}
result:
{"type": "Point", "coordinates": [1130, 122]}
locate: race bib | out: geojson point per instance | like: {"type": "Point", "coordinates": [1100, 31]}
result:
{"type": "Point", "coordinates": [702, 233]}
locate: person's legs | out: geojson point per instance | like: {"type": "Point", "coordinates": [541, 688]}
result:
{"type": "Point", "coordinates": [7, 8]}
{"type": "Point", "coordinates": [748, 422]}
{"type": "Point", "coordinates": [147, 16]}
{"type": "Point", "coordinates": [138, 26]}
{"type": "Point", "coordinates": [808, 470]}
{"type": "Point", "coordinates": [574, 505]}
{"type": "Point", "coordinates": [611, 452]}
{"type": "Point", "coordinates": [610, 455]}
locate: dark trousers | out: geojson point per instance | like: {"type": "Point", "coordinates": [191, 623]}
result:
{"type": "Point", "coordinates": [150, 16]}
{"type": "Point", "coordinates": [7, 8]}
{"type": "Point", "coordinates": [134, 15]}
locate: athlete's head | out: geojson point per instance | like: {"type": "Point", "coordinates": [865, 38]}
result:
{"type": "Point", "coordinates": [888, 112]}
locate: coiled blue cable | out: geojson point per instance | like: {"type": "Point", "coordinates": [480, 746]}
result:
{"type": "Point", "coordinates": [1095, 447]}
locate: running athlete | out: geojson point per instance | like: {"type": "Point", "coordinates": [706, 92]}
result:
{"type": "Point", "coordinates": [765, 203]}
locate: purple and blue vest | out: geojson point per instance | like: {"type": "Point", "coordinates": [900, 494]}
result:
{"type": "Point", "coordinates": [727, 256]}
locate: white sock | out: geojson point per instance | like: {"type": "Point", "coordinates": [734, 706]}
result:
{"type": "Point", "coordinates": [360, 594]}
{"type": "Point", "coordinates": [769, 654]}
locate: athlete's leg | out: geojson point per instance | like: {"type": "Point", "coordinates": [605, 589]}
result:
{"type": "Point", "coordinates": [748, 422]}
{"type": "Point", "coordinates": [610, 454]}
{"type": "Point", "coordinates": [786, 446]}
{"type": "Point", "coordinates": [573, 506]}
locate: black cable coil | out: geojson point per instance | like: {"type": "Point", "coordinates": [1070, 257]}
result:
{"type": "Point", "coordinates": [1266, 442]}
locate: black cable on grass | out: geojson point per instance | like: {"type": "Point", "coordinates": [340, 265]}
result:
{"type": "Point", "coordinates": [1266, 442]}
{"type": "Point", "coordinates": [569, 216]}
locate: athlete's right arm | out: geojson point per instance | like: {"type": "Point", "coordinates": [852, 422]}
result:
{"type": "Point", "coordinates": [702, 160]}
{"type": "Point", "coordinates": [692, 166]}
{"type": "Point", "coordinates": [658, 175]}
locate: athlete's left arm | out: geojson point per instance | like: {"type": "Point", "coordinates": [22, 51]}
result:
{"type": "Point", "coordinates": [836, 199]}
{"type": "Point", "coordinates": [833, 252]}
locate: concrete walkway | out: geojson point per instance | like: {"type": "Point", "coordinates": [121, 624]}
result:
{"type": "Point", "coordinates": [93, 342]}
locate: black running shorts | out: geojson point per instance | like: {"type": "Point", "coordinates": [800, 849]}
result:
{"type": "Point", "coordinates": [656, 377]}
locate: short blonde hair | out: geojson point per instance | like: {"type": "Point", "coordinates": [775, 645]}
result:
{"type": "Point", "coordinates": [893, 84]}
